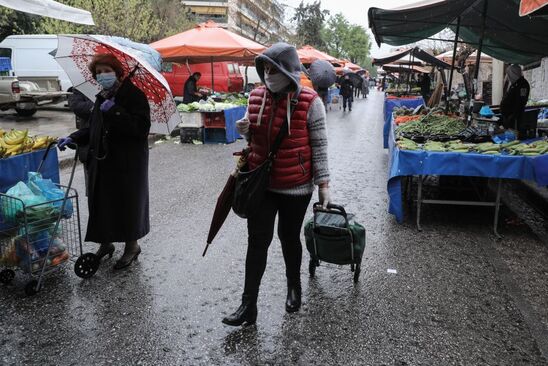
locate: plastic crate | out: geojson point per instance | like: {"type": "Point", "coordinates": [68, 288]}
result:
{"type": "Point", "coordinates": [5, 64]}
{"type": "Point", "coordinates": [214, 120]}
{"type": "Point", "coordinates": [218, 136]}
{"type": "Point", "coordinates": [191, 119]}
{"type": "Point", "coordinates": [190, 134]}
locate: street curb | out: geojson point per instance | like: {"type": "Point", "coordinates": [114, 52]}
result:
{"type": "Point", "coordinates": [67, 161]}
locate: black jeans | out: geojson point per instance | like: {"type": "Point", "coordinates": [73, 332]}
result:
{"type": "Point", "coordinates": [291, 211]}
{"type": "Point", "coordinates": [348, 100]}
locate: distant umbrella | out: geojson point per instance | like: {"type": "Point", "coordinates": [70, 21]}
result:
{"type": "Point", "coordinates": [354, 78]}
{"type": "Point", "coordinates": [322, 74]}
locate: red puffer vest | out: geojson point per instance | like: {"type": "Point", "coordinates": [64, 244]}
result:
{"type": "Point", "coordinates": [292, 166]}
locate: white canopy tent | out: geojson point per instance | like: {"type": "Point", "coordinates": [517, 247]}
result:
{"type": "Point", "coordinates": [51, 9]}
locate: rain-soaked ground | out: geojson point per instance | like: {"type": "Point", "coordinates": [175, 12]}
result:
{"type": "Point", "coordinates": [458, 297]}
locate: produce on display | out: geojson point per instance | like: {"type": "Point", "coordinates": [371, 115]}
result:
{"type": "Point", "coordinates": [404, 119]}
{"type": "Point", "coordinates": [432, 125]}
{"type": "Point", "coordinates": [535, 148]}
{"type": "Point", "coordinates": [17, 142]}
{"type": "Point", "coordinates": [225, 101]}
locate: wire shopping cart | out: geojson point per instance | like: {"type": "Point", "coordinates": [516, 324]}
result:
{"type": "Point", "coordinates": [334, 98]}
{"type": "Point", "coordinates": [39, 237]}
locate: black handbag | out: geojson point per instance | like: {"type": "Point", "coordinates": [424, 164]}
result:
{"type": "Point", "coordinates": [251, 185]}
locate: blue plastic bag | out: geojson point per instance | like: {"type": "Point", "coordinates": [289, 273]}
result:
{"type": "Point", "coordinates": [51, 192]}
{"type": "Point", "coordinates": [20, 195]}
{"type": "Point", "coordinates": [486, 112]}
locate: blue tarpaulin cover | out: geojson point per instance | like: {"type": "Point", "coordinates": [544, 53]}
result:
{"type": "Point", "coordinates": [16, 169]}
{"type": "Point", "coordinates": [389, 105]}
{"type": "Point", "coordinates": [407, 162]}
{"type": "Point", "coordinates": [231, 116]}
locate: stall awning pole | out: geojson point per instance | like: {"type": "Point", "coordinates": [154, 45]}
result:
{"type": "Point", "coordinates": [212, 77]}
{"type": "Point", "coordinates": [452, 65]}
{"type": "Point", "coordinates": [480, 47]}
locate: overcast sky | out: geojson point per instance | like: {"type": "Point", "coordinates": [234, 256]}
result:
{"type": "Point", "coordinates": [356, 12]}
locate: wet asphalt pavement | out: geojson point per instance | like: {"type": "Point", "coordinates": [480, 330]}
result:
{"type": "Point", "coordinates": [458, 297]}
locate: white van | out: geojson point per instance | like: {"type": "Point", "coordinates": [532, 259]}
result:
{"type": "Point", "coordinates": [32, 60]}
{"type": "Point", "coordinates": [252, 77]}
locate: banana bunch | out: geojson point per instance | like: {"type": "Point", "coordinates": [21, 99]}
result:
{"type": "Point", "coordinates": [17, 142]}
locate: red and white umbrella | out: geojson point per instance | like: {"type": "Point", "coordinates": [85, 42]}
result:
{"type": "Point", "coordinates": [74, 53]}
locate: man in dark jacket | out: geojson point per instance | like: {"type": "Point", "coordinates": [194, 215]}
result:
{"type": "Point", "coordinates": [190, 92]}
{"type": "Point", "coordinates": [515, 97]}
{"type": "Point", "coordinates": [347, 92]}
{"type": "Point", "coordinates": [81, 106]}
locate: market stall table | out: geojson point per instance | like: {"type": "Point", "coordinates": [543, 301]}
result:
{"type": "Point", "coordinates": [218, 126]}
{"type": "Point", "coordinates": [424, 163]}
{"type": "Point", "coordinates": [389, 104]}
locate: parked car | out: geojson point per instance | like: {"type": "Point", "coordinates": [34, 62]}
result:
{"type": "Point", "coordinates": [227, 76]}
{"type": "Point", "coordinates": [26, 96]}
{"type": "Point", "coordinates": [32, 60]}
{"type": "Point", "coordinates": [252, 77]}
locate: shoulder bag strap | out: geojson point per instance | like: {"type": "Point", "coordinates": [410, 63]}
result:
{"type": "Point", "coordinates": [283, 131]}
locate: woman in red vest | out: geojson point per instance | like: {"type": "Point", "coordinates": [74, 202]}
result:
{"type": "Point", "coordinates": [300, 164]}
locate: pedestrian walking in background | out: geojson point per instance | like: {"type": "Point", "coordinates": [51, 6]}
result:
{"type": "Point", "coordinates": [357, 90]}
{"type": "Point", "coordinates": [299, 165]}
{"type": "Point", "coordinates": [116, 145]}
{"type": "Point", "coordinates": [347, 92]}
{"type": "Point", "coordinates": [365, 86]}
{"type": "Point", "coordinates": [82, 107]}
{"type": "Point", "coordinates": [323, 76]}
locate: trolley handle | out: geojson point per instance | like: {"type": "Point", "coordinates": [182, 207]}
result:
{"type": "Point", "coordinates": [72, 145]}
{"type": "Point", "coordinates": [332, 209]}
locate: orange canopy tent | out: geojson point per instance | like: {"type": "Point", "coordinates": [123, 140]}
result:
{"type": "Point", "coordinates": [308, 54]}
{"type": "Point", "coordinates": [207, 42]}
{"type": "Point", "coordinates": [352, 66]}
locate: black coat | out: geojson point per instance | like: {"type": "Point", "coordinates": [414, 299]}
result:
{"type": "Point", "coordinates": [513, 103]}
{"type": "Point", "coordinates": [117, 163]}
{"type": "Point", "coordinates": [190, 90]}
{"type": "Point", "coordinates": [81, 106]}
{"type": "Point", "coordinates": [347, 88]}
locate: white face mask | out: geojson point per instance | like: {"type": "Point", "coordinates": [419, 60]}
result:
{"type": "Point", "coordinates": [276, 82]}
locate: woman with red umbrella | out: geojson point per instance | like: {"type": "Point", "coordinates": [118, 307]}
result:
{"type": "Point", "coordinates": [116, 156]}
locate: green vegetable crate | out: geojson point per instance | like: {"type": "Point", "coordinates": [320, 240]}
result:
{"type": "Point", "coordinates": [332, 236]}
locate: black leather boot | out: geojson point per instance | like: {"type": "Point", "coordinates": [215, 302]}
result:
{"type": "Point", "coordinates": [293, 302]}
{"type": "Point", "coordinates": [246, 313]}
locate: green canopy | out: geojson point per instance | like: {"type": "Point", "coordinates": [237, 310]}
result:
{"type": "Point", "coordinates": [415, 52]}
{"type": "Point", "coordinates": [507, 37]}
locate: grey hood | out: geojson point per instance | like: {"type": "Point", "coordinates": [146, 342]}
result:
{"type": "Point", "coordinates": [285, 58]}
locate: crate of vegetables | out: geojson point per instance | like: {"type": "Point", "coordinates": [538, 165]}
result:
{"type": "Point", "coordinates": [214, 120]}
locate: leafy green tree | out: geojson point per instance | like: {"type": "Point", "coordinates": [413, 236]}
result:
{"type": "Point", "coordinates": [357, 44]}
{"type": "Point", "coordinates": [309, 21]}
{"type": "Point", "coordinates": [140, 20]}
{"type": "Point", "coordinates": [15, 22]}
{"type": "Point", "coordinates": [334, 35]}
{"type": "Point", "coordinates": [346, 40]}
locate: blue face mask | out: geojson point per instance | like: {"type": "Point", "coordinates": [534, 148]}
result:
{"type": "Point", "coordinates": [106, 79]}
